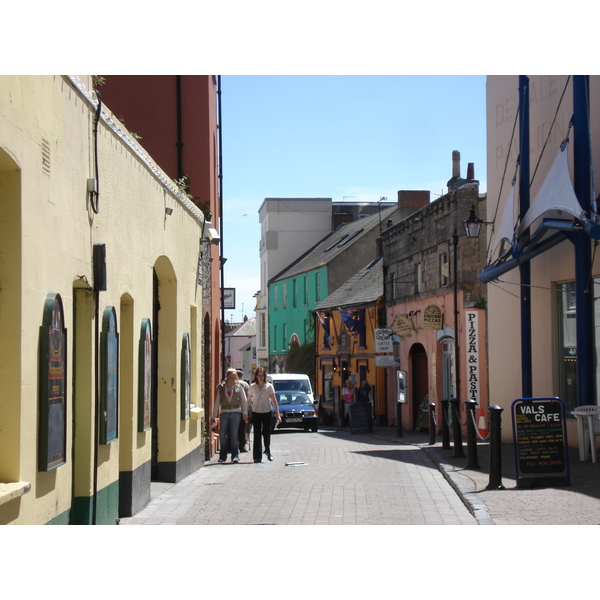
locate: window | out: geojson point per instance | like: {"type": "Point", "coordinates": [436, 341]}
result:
{"type": "Point", "coordinates": [567, 344]}
{"type": "Point", "coordinates": [317, 287]}
{"type": "Point", "coordinates": [284, 292]}
{"type": "Point", "coordinates": [275, 296]}
{"type": "Point", "coordinates": [305, 290]}
{"type": "Point", "coordinates": [444, 269]}
{"type": "Point", "coordinates": [294, 293]}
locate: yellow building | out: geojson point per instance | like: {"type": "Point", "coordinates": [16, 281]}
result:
{"type": "Point", "coordinates": [100, 311]}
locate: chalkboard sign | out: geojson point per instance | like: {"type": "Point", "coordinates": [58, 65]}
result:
{"type": "Point", "coordinates": [540, 442]}
{"type": "Point", "coordinates": [360, 414]}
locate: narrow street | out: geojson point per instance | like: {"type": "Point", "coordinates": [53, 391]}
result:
{"type": "Point", "coordinates": [331, 477]}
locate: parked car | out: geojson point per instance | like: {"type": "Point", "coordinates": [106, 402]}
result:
{"type": "Point", "coordinates": [296, 410]}
{"type": "Point", "coordinates": [292, 381]}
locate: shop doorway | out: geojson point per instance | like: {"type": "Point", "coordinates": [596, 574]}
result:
{"type": "Point", "coordinates": [419, 379]}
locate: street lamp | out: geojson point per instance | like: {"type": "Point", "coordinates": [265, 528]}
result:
{"type": "Point", "coordinates": [473, 224]}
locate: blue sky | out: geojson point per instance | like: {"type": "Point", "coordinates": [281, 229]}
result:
{"type": "Point", "coordinates": [353, 138]}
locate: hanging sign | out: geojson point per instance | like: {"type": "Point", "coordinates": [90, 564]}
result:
{"type": "Point", "coordinates": [229, 298]}
{"type": "Point", "coordinates": [432, 317]}
{"type": "Point", "coordinates": [383, 341]}
{"type": "Point", "coordinates": [402, 326]}
{"type": "Point", "coordinates": [540, 442]}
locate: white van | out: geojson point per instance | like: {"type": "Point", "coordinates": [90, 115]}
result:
{"type": "Point", "coordinates": [292, 381]}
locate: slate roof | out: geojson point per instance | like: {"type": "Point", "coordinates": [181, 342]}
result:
{"type": "Point", "coordinates": [362, 289]}
{"type": "Point", "coordinates": [335, 243]}
{"type": "Point", "coordinates": [246, 329]}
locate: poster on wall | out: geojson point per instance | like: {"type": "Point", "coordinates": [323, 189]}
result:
{"type": "Point", "coordinates": [109, 377]}
{"type": "Point", "coordinates": [145, 376]}
{"type": "Point", "coordinates": [186, 379]}
{"type": "Point", "coordinates": [52, 386]}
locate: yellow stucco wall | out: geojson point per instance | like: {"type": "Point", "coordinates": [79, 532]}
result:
{"type": "Point", "coordinates": [47, 237]}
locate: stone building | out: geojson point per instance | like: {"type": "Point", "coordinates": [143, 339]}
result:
{"type": "Point", "coordinates": [434, 301]}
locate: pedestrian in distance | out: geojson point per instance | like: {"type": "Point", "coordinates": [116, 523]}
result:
{"type": "Point", "coordinates": [348, 397]}
{"type": "Point", "coordinates": [262, 401]}
{"type": "Point", "coordinates": [244, 433]}
{"type": "Point", "coordinates": [363, 393]}
{"type": "Point", "coordinates": [231, 406]}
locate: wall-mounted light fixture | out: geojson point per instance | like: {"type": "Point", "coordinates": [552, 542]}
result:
{"type": "Point", "coordinates": [209, 234]}
{"type": "Point", "coordinates": [168, 211]}
{"type": "Point", "coordinates": [473, 224]}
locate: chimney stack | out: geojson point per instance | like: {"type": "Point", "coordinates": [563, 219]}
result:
{"type": "Point", "coordinates": [455, 164]}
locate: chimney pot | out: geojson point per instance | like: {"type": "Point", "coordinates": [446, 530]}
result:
{"type": "Point", "coordinates": [471, 171]}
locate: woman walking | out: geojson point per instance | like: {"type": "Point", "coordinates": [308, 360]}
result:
{"type": "Point", "coordinates": [348, 398]}
{"type": "Point", "coordinates": [232, 405]}
{"type": "Point", "coordinates": [261, 397]}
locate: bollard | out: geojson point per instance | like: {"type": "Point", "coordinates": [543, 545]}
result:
{"type": "Point", "coordinates": [495, 419]}
{"type": "Point", "coordinates": [370, 425]}
{"type": "Point", "coordinates": [399, 419]}
{"type": "Point", "coordinates": [457, 434]}
{"type": "Point", "coordinates": [445, 427]}
{"type": "Point", "coordinates": [471, 436]}
{"type": "Point", "coordinates": [432, 424]}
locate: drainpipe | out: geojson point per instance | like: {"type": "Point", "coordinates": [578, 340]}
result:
{"type": "Point", "coordinates": [179, 143]}
{"type": "Point", "coordinates": [221, 259]}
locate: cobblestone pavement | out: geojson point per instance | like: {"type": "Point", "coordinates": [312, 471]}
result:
{"type": "Point", "coordinates": [327, 478]}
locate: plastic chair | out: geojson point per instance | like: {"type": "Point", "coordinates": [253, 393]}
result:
{"type": "Point", "coordinates": [588, 427]}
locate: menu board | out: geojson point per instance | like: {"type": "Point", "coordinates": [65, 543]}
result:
{"type": "Point", "coordinates": [359, 417]}
{"type": "Point", "coordinates": [540, 442]}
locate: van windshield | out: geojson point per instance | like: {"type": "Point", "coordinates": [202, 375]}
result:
{"type": "Point", "coordinates": [291, 384]}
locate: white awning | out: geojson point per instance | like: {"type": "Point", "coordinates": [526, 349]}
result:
{"type": "Point", "coordinates": [556, 196]}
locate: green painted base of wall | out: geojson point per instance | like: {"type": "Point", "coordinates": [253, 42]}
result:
{"type": "Point", "coordinates": [107, 508]}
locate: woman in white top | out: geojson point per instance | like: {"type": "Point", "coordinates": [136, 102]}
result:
{"type": "Point", "coordinates": [261, 396]}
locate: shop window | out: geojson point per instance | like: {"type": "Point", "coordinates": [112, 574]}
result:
{"type": "Point", "coordinates": [567, 344]}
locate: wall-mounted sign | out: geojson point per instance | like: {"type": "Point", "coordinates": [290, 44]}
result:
{"type": "Point", "coordinates": [383, 341]}
{"type": "Point", "coordinates": [52, 447]}
{"type": "Point", "coordinates": [402, 326]}
{"type": "Point", "coordinates": [109, 377]}
{"type": "Point", "coordinates": [145, 376]}
{"type": "Point", "coordinates": [472, 346]}
{"type": "Point", "coordinates": [229, 298]}
{"type": "Point", "coordinates": [432, 317]}
{"type": "Point", "coordinates": [385, 361]}
{"type": "Point", "coordinates": [186, 377]}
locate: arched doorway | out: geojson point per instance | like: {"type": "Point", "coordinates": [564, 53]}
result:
{"type": "Point", "coordinates": [419, 379]}
{"type": "Point", "coordinates": [164, 370]}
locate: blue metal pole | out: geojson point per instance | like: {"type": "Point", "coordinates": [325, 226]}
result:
{"type": "Point", "coordinates": [525, 268]}
{"type": "Point", "coordinates": [582, 242]}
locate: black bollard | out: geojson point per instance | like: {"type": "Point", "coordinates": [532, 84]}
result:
{"type": "Point", "coordinates": [432, 424]}
{"type": "Point", "coordinates": [471, 436]}
{"type": "Point", "coordinates": [399, 419]}
{"type": "Point", "coordinates": [456, 430]}
{"type": "Point", "coordinates": [445, 426]}
{"type": "Point", "coordinates": [495, 482]}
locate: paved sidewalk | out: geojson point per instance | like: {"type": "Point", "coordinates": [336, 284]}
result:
{"type": "Point", "coordinates": [577, 504]}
